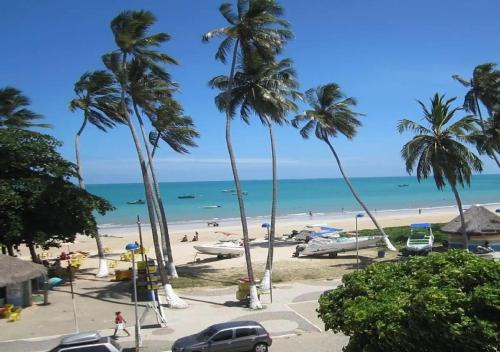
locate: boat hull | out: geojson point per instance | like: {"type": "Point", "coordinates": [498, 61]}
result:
{"type": "Point", "coordinates": [322, 246]}
{"type": "Point", "coordinates": [216, 250]}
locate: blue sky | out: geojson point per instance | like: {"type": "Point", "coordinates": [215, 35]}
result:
{"type": "Point", "coordinates": [385, 53]}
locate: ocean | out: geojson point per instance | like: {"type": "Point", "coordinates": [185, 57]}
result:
{"type": "Point", "coordinates": [214, 199]}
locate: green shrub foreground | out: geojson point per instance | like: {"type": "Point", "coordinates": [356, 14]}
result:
{"type": "Point", "coordinates": [441, 302]}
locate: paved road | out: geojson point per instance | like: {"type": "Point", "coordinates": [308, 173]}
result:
{"type": "Point", "coordinates": [313, 341]}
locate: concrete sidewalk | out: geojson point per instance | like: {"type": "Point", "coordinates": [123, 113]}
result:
{"type": "Point", "coordinates": [291, 313]}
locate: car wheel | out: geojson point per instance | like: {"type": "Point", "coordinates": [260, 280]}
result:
{"type": "Point", "coordinates": [260, 347]}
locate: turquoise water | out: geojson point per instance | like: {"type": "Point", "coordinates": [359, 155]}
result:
{"type": "Point", "coordinates": [296, 197]}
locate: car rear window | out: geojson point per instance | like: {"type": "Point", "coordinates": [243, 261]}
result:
{"type": "Point", "coordinates": [242, 332]}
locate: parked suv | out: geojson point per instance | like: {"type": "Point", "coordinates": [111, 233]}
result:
{"type": "Point", "coordinates": [237, 336]}
{"type": "Point", "coordinates": [90, 341]}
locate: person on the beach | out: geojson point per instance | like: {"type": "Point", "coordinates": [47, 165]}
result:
{"type": "Point", "coordinates": [419, 211]}
{"type": "Point", "coordinates": [120, 323]}
{"type": "Point", "coordinates": [185, 238]}
{"type": "Point", "coordinates": [310, 213]}
{"type": "Point", "coordinates": [195, 237]}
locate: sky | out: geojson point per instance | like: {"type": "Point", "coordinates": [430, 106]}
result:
{"type": "Point", "coordinates": [385, 53]}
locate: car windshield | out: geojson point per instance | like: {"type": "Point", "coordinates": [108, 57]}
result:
{"type": "Point", "coordinates": [206, 334]}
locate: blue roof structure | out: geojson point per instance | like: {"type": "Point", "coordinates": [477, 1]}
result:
{"type": "Point", "coordinates": [425, 225]}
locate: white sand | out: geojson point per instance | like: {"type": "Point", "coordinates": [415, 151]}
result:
{"type": "Point", "coordinates": [116, 238]}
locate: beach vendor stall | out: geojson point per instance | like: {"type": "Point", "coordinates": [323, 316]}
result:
{"type": "Point", "coordinates": [15, 280]}
{"type": "Point", "coordinates": [482, 227]}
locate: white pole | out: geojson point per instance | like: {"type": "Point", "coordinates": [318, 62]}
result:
{"type": "Point", "coordinates": [357, 248]}
{"type": "Point", "coordinates": [137, 327]}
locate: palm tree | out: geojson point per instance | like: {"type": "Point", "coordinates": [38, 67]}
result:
{"type": "Point", "coordinates": [130, 30]}
{"type": "Point", "coordinates": [255, 26]}
{"type": "Point", "coordinates": [97, 98]}
{"type": "Point", "coordinates": [484, 87]}
{"type": "Point", "coordinates": [330, 115]}
{"type": "Point", "coordinates": [268, 90]}
{"type": "Point", "coordinates": [14, 111]}
{"type": "Point", "coordinates": [145, 90]}
{"type": "Point", "coordinates": [153, 95]}
{"type": "Point", "coordinates": [438, 149]}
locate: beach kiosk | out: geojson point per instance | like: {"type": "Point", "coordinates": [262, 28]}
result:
{"type": "Point", "coordinates": [481, 225]}
{"type": "Point", "coordinates": [15, 280]}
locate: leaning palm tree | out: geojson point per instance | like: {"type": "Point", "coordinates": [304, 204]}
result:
{"type": "Point", "coordinates": [14, 112]}
{"type": "Point", "coordinates": [330, 115]}
{"type": "Point", "coordinates": [98, 99]}
{"type": "Point", "coordinates": [130, 30]}
{"type": "Point", "coordinates": [268, 89]}
{"type": "Point", "coordinates": [437, 149]}
{"type": "Point", "coordinates": [145, 90]}
{"type": "Point", "coordinates": [255, 26]}
{"type": "Point", "coordinates": [484, 87]}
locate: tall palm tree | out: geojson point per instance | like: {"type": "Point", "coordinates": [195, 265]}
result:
{"type": "Point", "coordinates": [255, 26]}
{"type": "Point", "coordinates": [145, 90]}
{"type": "Point", "coordinates": [330, 115]}
{"type": "Point", "coordinates": [98, 99]}
{"type": "Point", "coordinates": [268, 89]}
{"type": "Point", "coordinates": [14, 111]}
{"type": "Point", "coordinates": [130, 30]}
{"type": "Point", "coordinates": [484, 87]}
{"type": "Point", "coordinates": [153, 95]}
{"type": "Point", "coordinates": [437, 149]}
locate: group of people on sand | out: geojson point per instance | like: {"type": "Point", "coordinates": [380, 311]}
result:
{"type": "Point", "coordinates": [195, 237]}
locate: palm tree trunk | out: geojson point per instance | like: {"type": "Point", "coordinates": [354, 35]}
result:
{"type": "Point", "coordinates": [172, 299]}
{"type": "Point", "coordinates": [254, 299]}
{"type": "Point", "coordinates": [10, 250]}
{"type": "Point", "coordinates": [77, 152]}
{"type": "Point", "coordinates": [356, 195]}
{"type": "Point", "coordinates": [462, 218]}
{"type": "Point", "coordinates": [103, 270]}
{"type": "Point", "coordinates": [167, 247]}
{"type": "Point", "coordinates": [493, 153]}
{"type": "Point", "coordinates": [266, 280]}
{"type": "Point", "coordinates": [34, 257]}
{"type": "Point", "coordinates": [155, 145]}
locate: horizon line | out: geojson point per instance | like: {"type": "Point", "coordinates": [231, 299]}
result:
{"type": "Point", "coordinates": [281, 179]}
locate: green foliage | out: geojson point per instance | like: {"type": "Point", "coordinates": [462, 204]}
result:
{"type": "Point", "coordinates": [39, 203]}
{"type": "Point", "coordinates": [14, 110]}
{"type": "Point", "coordinates": [442, 302]}
{"type": "Point", "coordinates": [438, 150]}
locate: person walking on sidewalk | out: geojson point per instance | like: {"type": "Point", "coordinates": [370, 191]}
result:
{"type": "Point", "coordinates": [120, 323]}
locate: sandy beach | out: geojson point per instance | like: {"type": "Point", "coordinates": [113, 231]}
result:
{"type": "Point", "coordinates": [115, 239]}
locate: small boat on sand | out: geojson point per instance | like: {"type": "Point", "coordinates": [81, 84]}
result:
{"type": "Point", "coordinates": [138, 201]}
{"type": "Point", "coordinates": [312, 231]}
{"type": "Point", "coordinates": [186, 196]}
{"type": "Point", "coordinates": [421, 239]}
{"type": "Point", "coordinates": [222, 248]}
{"type": "Point", "coordinates": [331, 245]}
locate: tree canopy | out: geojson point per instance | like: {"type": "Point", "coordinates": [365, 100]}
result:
{"type": "Point", "coordinates": [441, 302]}
{"type": "Point", "coordinates": [39, 204]}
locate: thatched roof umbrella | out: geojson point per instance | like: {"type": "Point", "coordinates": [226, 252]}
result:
{"type": "Point", "coordinates": [478, 221]}
{"type": "Point", "coordinates": [14, 270]}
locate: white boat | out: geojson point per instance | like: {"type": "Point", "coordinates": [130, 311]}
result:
{"type": "Point", "coordinates": [332, 246]}
{"type": "Point", "coordinates": [421, 239]}
{"type": "Point", "coordinates": [222, 248]}
{"type": "Point", "coordinates": [211, 206]}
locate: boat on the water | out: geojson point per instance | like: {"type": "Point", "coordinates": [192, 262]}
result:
{"type": "Point", "coordinates": [232, 248]}
{"type": "Point", "coordinates": [186, 196]}
{"type": "Point", "coordinates": [333, 245]}
{"type": "Point", "coordinates": [404, 185]}
{"type": "Point", "coordinates": [138, 201]}
{"type": "Point", "coordinates": [421, 239]}
{"type": "Point", "coordinates": [228, 190]}
{"type": "Point", "coordinates": [211, 206]}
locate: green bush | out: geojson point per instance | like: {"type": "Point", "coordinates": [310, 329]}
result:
{"type": "Point", "coordinates": [442, 302]}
